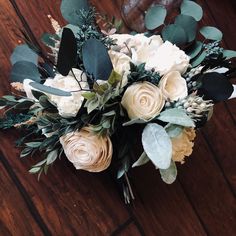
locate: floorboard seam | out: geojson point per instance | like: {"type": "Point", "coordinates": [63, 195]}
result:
{"type": "Point", "coordinates": [122, 227]}
{"type": "Point", "coordinates": [218, 164]}
{"type": "Point", "coordinates": [194, 208]}
{"type": "Point", "coordinates": [32, 209]}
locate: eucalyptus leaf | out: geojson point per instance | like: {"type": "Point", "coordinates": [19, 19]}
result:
{"type": "Point", "coordinates": [157, 145]}
{"type": "Point", "coordinates": [198, 60]}
{"type": "Point", "coordinates": [175, 34]}
{"type": "Point", "coordinates": [34, 170]}
{"type": "Point", "coordinates": [70, 10]}
{"type": "Point", "coordinates": [189, 24]}
{"type": "Point", "coordinates": [52, 156]}
{"type": "Point", "coordinates": [135, 121]}
{"type": "Point", "coordinates": [33, 144]}
{"type": "Point", "coordinates": [212, 33]}
{"type": "Point", "coordinates": [191, 8]}
{"type": "Point", "coordinates": [92, 105]}
{"type": "Point", "coordinates": [50, 90]}
{"type": "Point", "coordinates": [26, 104]}
{"type": "Point", "coordinates": [229, 54]}
{"type": "Point", "coordinates": [67, 55]}
{"type": "Point", "coordinates": [24, 53]}
{"type": "Point", "coordinates": [169, 175]}
{"type": "Point", "coordinates": [143, 159]}
{"type": "Point", "coordinates": [195, 49]}
{"type": "Point", "coordinates": [22, 70]}
{"type": "Point", "coordinates": [96, 59]}
{"type": "Point", "coordinates": [176, 116]}
{"type": "Point", "coordinates": [155, 17]}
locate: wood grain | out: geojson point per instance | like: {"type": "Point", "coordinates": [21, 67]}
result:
{"type": "Point", "coordinates": [15, 218]}
{"type": "Point", "coordinates": [73, 202]}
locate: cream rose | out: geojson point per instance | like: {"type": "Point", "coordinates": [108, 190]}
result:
{"type": "Point", "coordinates": [143, 101]}
{"type": "Point", "coordinates": [166, 58]}
{"type": "Point", "coordinates": [121, 64]}
{"type": "Point", "coordinates": [182, 145]}
{"type": "Point", "coordinates": [173, 86]}
{"type": "Point", "coordinates": [87, 151]}
{"type": "Point", "coordinates": [68, 106]}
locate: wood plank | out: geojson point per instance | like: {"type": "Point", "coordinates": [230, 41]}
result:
{"type": "Point", "coordinates": [162, 209]}
{"type": "Point", "coordinates": [15, 218]}
{"type": "Point", "coordinates": [219, 131]}
{"type": "Point", "coordinates": [61, 199]}
{"type": "Point", "coordinates": [207, 190]}
{"type": "Point", "coordinates": [130, 230]}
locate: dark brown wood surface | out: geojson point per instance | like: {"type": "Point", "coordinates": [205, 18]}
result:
{"type": "Point", "coordinates": [70, 202]}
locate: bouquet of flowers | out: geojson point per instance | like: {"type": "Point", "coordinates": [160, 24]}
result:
{"type": "Point", "coordinates": [96, 91]}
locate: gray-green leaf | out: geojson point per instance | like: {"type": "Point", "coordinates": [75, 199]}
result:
{"type": "Point", "coordinates": [169, 175]}
{"type": "Point", "coordinates": [212, 33]}
{"type": "Point", "coordinates": [157, 145]}
{"type": "Point", "coordinates": [52, 156]}
{"type": "Point", "coordinates": [176, 116]}
{"type": "Point", "coordinates": [143, 159]}
{"type": "Point", "coordinates": [191, 8]}
{"type": "Point", "coordinates": [229, 54]}
{"type": "Point", "coordinates": [174, 130]}
{"type": "Point", "coordinates": [155, 17]}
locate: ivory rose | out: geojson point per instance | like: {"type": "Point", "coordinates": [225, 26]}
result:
{"type": "Point", "coordinates": [86, 150]}
{"type": "Point", "coordinates": [182, 145]}
{"type": "Point", "coordinates": [173, 86]}
{"type": "Point", "coordinates": [121, 64]}
{"type": "Point", "coordinates": [68, 106]}
{"type": "Point", "coordinates": [167, 58]}
{"type": "Point", "coordinates": [143, 101]}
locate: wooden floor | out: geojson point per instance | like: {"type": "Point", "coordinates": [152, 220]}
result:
{"type": "Point", "coordinates": [70, 202]}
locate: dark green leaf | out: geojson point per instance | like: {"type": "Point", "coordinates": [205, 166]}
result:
{"type": "Point", "coordinates": [155, 17]}
{"type": "Point", "coordinates": [22, 70]}
{"type": "Point", "coordinates": [24, 53]}
{"type": "Point", "coordinates": [50, 90]}
{"type": "Point", "coordinates": [33, 144]}
{"type": "Point", "coordinates": [26, 104]}
{"type": "Point", "coordinates": [216, 87]}
{"type": "Point", "coordinates": [198, 60]}
{"type": "Point", "coordinates": [67, 56]}
{"type": "Point", "coordinates": [175, 34]}
{"type": "Point", "coordinates": [212, 33]}
{"type": "Point", "coordinates": [191, 8]}
{"type": "Point", "coordinates": [143, 159]}
{"type": "Point", "coordinates": [96, 59]}
{"type": "Point", "coordinates": [195, 50]}
{"type": "Point", "coordinates": [189, 24]}
{"type": "Point", "coordinates": [70, 10]}
{"type": "Point", "coordinates": [52, 156]}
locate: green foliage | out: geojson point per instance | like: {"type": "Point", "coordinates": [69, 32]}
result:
{"type": "Point", "coordinates": [50, 39]}
{"type": "Point", "coordinates": [191, 8]}
{"type": "Point", "coordinates": [70, 10]}
{"type": "Point", "coordinates": [50, 90]}
{"type": "Point", "coordinates": [96, 60]}
{"type": "Point", "coordinates": [176, 116]}
{"type": "Point", "coordinates": [229, 54]}
{"type": "Point", "coordinates": [157, 145]}
{"type": "Point", "coordinates": [142, 160]}
{"type": "Point", "coordinates": [189, 24]}
{"type": "Point", "coordinates": [169, 175]}
{"type": "Point", "coordinates": [175, 34]}
{"type": "Point", "coordinates": [138, 73]}
{"type": "Point", "coordinates": [12, 119]}
{"type": "Point", "coordinates": [195, 49]}
{"type": "Point", "coordinates": [212, 33]}
{"type": "Point", "coordinates": [24, 70]}
{"type": "Point", "coordinates": [24, 53]}
{"type": "Point", "coordinates": [155, 17]}
{"type": "Point", "coordinates": [174, 130]}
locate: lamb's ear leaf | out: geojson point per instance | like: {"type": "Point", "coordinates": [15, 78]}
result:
{"type": "Point", "coordinates": [169, 175]}
{"type": "Point", "coordinates": [22, 70]}
{"type": "Point", "coordinates": [70, 10]}
{"type": "Point", "coordinates": [50, 90]}
{"type": "Point", "coordinates": [67, 56]}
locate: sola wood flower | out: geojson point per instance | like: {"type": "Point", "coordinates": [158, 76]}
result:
{"type": "Point", "coordinates": [87, 151]}
{"type": "Point", "coordinates": [182, 145]}
{"type": "Point", "coordinates": [173, 86]}
{"type": "Point", "coordinates": [143, 101]}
